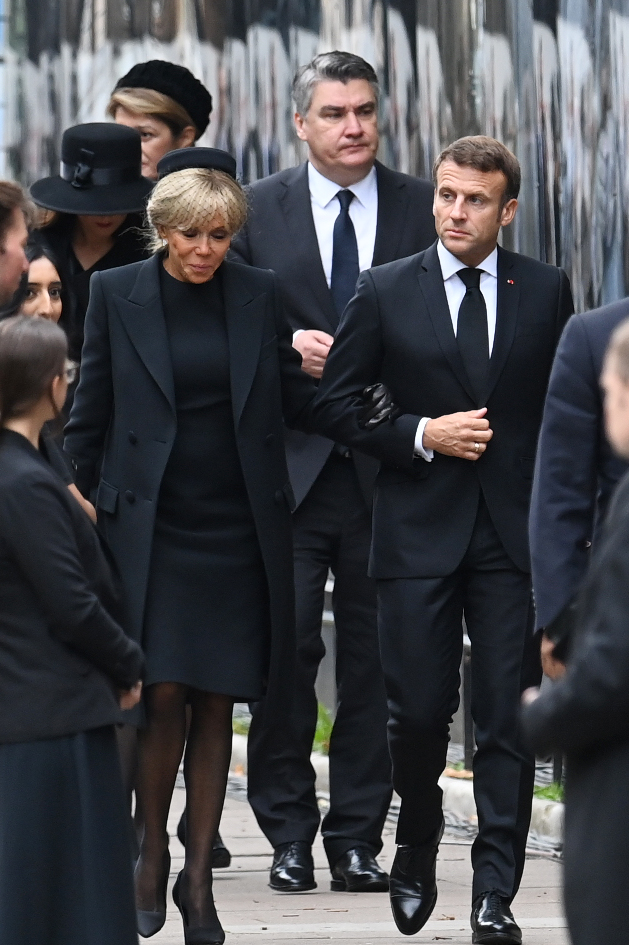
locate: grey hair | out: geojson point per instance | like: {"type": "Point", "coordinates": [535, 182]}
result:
{"type": "Point", "coordinates": [335, 66]}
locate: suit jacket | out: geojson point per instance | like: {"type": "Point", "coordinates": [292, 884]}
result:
{"type": "Point", "coordinates": [397, 329]}
{"type": "Point", "coordinates": [124, 412]}
{"type": "Point", "coordinates": [61, 651]}
{"type": "Point", "coordinates": [280, 235]}
{"type": "Point", "coordinates": [586, 716]}
{"type": "Point", "coordinates": [576, 469]}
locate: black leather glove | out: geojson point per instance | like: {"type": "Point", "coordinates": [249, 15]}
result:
{"type": "Point", "coordinates": [377, 407]}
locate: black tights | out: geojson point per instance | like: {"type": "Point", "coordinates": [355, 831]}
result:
{"type": "Point", "coordinates": [206, 765]}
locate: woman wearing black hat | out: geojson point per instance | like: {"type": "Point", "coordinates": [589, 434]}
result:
{"type": "Point", "coordinates": [97, 200]}
{"type": "Point", "coordinates": [188, 372]}
{"type": "Point", "coordinates": [167, 105]}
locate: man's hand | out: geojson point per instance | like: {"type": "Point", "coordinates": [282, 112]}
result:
{"type": "Point", "coordinates": [313, 347]}
{"type": "Point", "coordinates": [464, 435]}
{"type": "Point", "coordinates": [131, 698]}
{"type": "Point", "coordinates": [553, 668]}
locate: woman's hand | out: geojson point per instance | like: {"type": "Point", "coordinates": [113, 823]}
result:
{"type": "Point", "coordinates": [131, 698]}
{"type": "Point", "coordinates": [87, 507]}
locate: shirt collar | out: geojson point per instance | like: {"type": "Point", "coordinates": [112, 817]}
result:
{"type": "Point", "coordinates": [450, 265]}
{"type": "Point", "coordinates": [323, 190]}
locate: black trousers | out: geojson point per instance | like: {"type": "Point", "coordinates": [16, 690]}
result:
{"type": "Point", "coordinates": [331, 530]}
{"type": "Point", "coordinates": [421, 640]}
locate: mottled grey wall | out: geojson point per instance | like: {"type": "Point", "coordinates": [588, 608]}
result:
{"type": "Point", "coordinates": [548, 77]}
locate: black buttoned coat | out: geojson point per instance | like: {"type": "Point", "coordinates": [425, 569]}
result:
{"type": "Point", "coordinates": [123, 421]}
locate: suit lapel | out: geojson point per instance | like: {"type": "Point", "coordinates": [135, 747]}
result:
{"type": "Point", "coordinates": [142, 315]}
{"type": "Point", "coordinates": [296, 207]}
{"type": "Point", "coordinates": [245, 313]}
{"type": "Point", "coordinates": [392, 210]}
{"type": "Point", "coordinates": [431, 284]}
{"type": "Point", "coordinates": [507, 303]}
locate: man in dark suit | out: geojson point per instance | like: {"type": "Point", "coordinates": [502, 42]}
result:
{"type": "Point", "coordinates": [575, 473]}
{"type": "Point", "coordinates": [317, 226]}
{"type": "Point", "coordinates": [464, 336]}
{"type": "Point", "coordinates": [586, 714]}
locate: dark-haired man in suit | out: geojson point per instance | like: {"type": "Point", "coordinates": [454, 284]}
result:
{"type": "Point", "coordinates": [464, 336]}
{"type": "Point", "coordinates": [318, 225]}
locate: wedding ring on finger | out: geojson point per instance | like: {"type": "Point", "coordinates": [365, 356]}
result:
{"type": "Point", "coordinates": [477, 447]}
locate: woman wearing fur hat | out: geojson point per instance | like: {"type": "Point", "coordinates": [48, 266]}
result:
{"type": "Point", "coordinates": [167, 105]}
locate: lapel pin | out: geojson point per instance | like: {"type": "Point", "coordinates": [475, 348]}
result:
{"type": "Point", "coordinates": [510, 281]}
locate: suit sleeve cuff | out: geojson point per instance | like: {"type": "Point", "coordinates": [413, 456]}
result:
{"type": "Point", "coordinates": [419, 450]}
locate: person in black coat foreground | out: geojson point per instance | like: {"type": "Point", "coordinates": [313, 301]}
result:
{"type": "Point", "coordinates": [66, 668]}
{"type": "Point", "coordinates": [586, 713]}
{"type": "Point", "coordinates": [571, 487]}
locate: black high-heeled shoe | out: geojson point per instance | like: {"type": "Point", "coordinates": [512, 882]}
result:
{"type": "Point", "coordinates": [211, 934]}
{"type": "Point", "coordinates": [149, 922]}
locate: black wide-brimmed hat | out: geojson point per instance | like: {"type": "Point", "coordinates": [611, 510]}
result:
{"type": "Point", "coordinates": [101, 172]}
{"type": "Point", "coordinates": [176, 82]}
{"type": "Point", "coordinates": [184, 158]}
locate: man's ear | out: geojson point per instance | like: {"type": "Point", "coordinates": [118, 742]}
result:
{"type": "Point", "coordinates": [299, 126]}
{"type": "Point", "coordinates": [508, 212]}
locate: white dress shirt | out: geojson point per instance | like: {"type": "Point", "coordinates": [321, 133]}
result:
{"type": "Point", "coordinates": [455, 292]}
{"type": "Point", "coordinates": [363, 211]}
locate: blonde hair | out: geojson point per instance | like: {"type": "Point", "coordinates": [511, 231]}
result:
{"type": "Point", "coordinates": [191, 198]}
{"type": "Point", "coordinates": [155, 105]}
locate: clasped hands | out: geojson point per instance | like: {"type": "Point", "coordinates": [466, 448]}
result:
{"type": "Point", "coordinates": [464, 435]}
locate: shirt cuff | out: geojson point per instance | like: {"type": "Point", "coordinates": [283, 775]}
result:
{"type": "Point", "coordinates": [419, 450]}
{"type": "Point", "coordinates": [298, 332]}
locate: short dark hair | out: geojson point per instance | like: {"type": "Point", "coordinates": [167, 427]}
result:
{"type": "Point", "coordinates": [335, 66]}
{"type": "Point", "coordinates": [33, 352]}
{"type": "Point", "coordinates": [13, 197]}
{"type": "Point", "coordinates": [483, 154]}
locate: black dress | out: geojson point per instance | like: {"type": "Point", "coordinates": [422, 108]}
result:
{"type": "Point", "coordinates": [207, 621]}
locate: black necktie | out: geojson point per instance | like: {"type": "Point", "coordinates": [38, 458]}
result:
{"type": "Point", "coordinates": [471, 333]}
{"type": "Point", "coordinates": [345, 269]}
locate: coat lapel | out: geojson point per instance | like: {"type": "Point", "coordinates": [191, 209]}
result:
{"type": "Point", "coordinates": [142, 315]}
{"type": "Point", "coordinates": [507, 303]}
{"type": "Point", "coordinates": [245, 314]}
{"type": "Point", "coordinates": [392, 211]}
{"type": "Point", "coordinates": [296, 207]}
{"type": "Point", "coordinates": [431, 283]}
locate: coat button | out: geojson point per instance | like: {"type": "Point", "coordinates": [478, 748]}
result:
{"type": "Point", "coordinates": [130, 496]}
{"type": "Point", "coordinates": [132, 438]}
{"type": "Point", "coordinates": [270, 439]}
{"type": "Point", "coordinates": [279, 496]}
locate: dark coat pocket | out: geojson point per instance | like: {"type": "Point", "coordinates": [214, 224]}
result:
{"type": "Point", "coordinates": [107, 497]}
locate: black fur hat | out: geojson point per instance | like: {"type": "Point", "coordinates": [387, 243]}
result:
{"type": "Point", "coordinates": [175, 81]}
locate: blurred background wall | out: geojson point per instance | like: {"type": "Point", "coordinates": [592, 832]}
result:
{"type": "Point", "coordinates": [550, 78]}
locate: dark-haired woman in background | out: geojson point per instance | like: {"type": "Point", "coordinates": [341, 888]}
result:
{"type": "Point", "coordinates": [166, 104]}
{"type": "Point", "coordinates": [66, 668]}
{"type": "Point", "coordinates": [97, 203]}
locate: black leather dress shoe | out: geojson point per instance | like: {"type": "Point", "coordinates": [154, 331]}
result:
{"type": "Point", "coordinates": [413, 885]}
{"type": "Point", "coordinates": [221, 857]}
{"type": "Point", "coordinates": [293, 867]}
{"type": "Point", "coordinates": [493, 922]}
{"type": "Point", "coordinates": [358, 871]}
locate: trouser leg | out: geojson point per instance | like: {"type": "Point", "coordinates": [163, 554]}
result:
{"type": "Point", "coordinates": [421, 640]}
{"type": "Point", "coordinates": [505, 661]}
{"type": "Point", "coordinates": [360, 767]}
{"type": "Point", "coordinates": [281, 779]}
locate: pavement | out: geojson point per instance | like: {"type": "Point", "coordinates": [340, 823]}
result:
{"type": "Point", "coordinates": [252, 914]}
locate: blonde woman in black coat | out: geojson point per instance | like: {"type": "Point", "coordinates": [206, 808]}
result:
{"type": "Point", "coordinates": [66, 668]}
{"type": "Point", "coordinates": [188, 372]}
